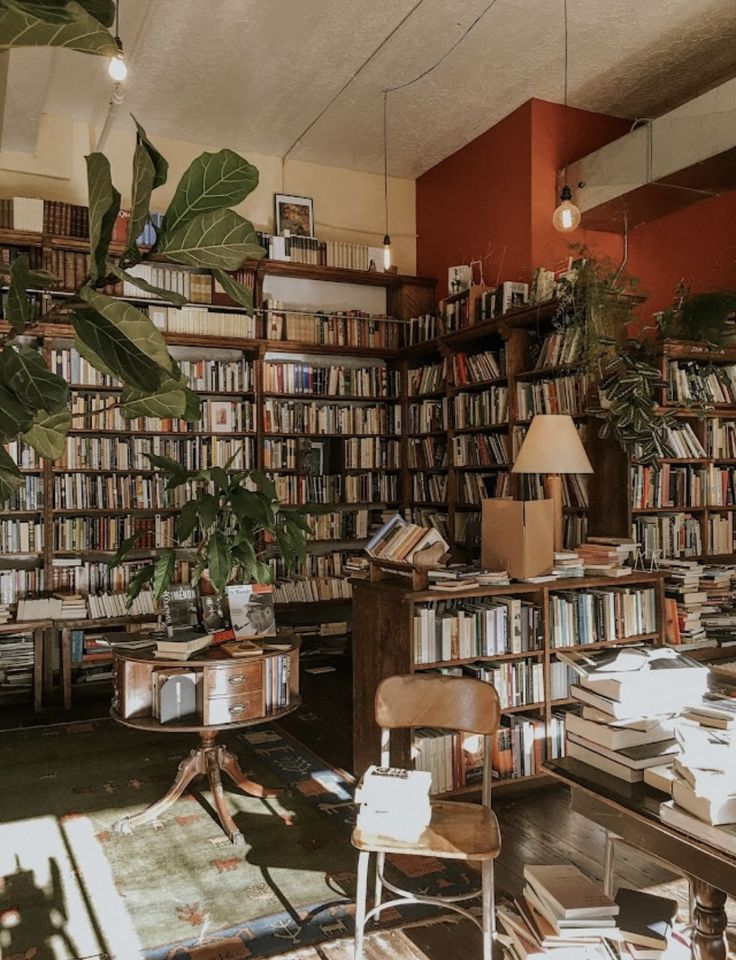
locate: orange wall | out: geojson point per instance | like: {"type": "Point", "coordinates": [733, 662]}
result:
{"type": "Point", "coordinates": [697, 244]}
{"type": "Point", "coordinates": [493, 199]}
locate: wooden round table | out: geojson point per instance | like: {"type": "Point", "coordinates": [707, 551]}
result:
{"type": "Point", "coordinates": [235, 693]}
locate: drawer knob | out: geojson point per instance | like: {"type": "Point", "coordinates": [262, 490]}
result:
{"type": "Point", "coordinates": [238, 708]}
{"type": "Point", "coordinates": [237, 681]}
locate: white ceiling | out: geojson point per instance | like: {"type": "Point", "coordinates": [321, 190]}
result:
{"type": "Point", "coordinates": [254, 74]}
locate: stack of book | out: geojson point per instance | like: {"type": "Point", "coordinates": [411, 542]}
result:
{"type": "Point", "coordinates": [562, 913]}
{"type": "Point", "coordinates": [568, 563]}
{"type": "Point", "coordinates": [719, 616]}
{"type": "Point", "coordinates": [182, 645]}
{"type": "Point", "coordinates": [460, 576]}
{"type": "Point", "coordinates": [684, 604]}
{"type": "Point", "coordinates": [5, 615]}
{"type": "Point", "coordinates": [16, 661]}
{"type": "Point", "coordinates": [73, 607]}
{"type": "Point", "coordinates": [645, 925]}
{"type": "Point", "coordinates": [394, 802]}
{"type": "Point", "coordinates": [628, 694]}
{"type": "Point", "coordinates": [703, 786]}
{"type": "Point", "coordinates": [606, 556]}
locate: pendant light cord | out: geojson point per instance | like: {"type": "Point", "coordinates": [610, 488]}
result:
{"type": "Point", "coordinates": [117, 22]}
{"type": "Point", "coordinates": [385, 157]}
{"type": "Point", "coordinates": [566, 137]}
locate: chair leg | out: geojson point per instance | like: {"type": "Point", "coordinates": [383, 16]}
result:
{"type": "Point", "coordinates": [608, 863]}
{"type": "Point", "coordinates": [488, 915]}
{"type": "Point", "coordinates": [361, 896]}
{"type": "Point", "coordinates": [380, 862]}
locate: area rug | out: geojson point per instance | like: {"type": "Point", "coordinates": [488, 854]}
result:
{"type": "Point", "coordinates": [71, 887]}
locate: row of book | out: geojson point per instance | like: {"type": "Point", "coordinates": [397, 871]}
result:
{"type": "Point", "coordinates": [429, 487]}
{"type": "Point", "coordinates": [101, 606]}
{"type": "Point", "coordinates": [594, 616]}
{"type": "Point", "coordinates": [298, 453]}
{"type": "Point", "coordinates": [194, 287]}
{"type": "Point", "coordinates": [476, 487]}
{"type": "Point", "coordinates": [680, 441]}
{"type": "Point", "coordinates": [691, 382]}
{"type": "Point", "coordinates": [671, 535]}
{"type": "Point", "coordinates": [427, 453]}
{"type": "Point", "coordinates": [521, 683]}
{"type": "Point", "coordinates": [336, 563]}
{"type": "Point", "coordinates": [211, 374]}
{"type": "Point", "coordinates": [460, 629]}
{"type": "Point", "coordinates": [574, 488]}
{"type": "Point", "coordinates": [346, 328]}
{"type": "Point", "coordinates": [341, 525]}
{"type": "Point", "coordinates": [720, 438]}
{"type": "Point", "coordinates": [481, 409]}
{"type": "Point", "coordinates": [21, 536]}
{"type": "Point", "coordinates": [469, 369]}
{"type": "Point", "coordinates": [131, 453]}
{"type": "Point", "coordinates": [82, 534]}
{"type": "Point", "coordinates": [22, 454]}
{"type": "Point", "coordinates": [100, 491]}
{"type": "Point", "coordinates": [312, 589]}
{"type": "Point", "coordinates": [429, 416]}
{"type": "Point", "coordinates": [672, 486]}
{"type": "Point", "coordinates": [369, 487]}
{"type": "Point", "coordinates": [81, 577]}
{"type": "Point", "coordinates": [203, 322]}
{"type": "Point", "coordinates": [561, 348]}
{"type": "Point", "coordinates": [429, 378]}
{"type": "Point", "coordinates": [15, 584]}
{"type": "Point", "coordinates": [292, 416]}
{"type": "Point", "coordinates": [27, 497]}
{"type": "Point", "coordinates": [554, 395]}
{"type": "Point", "coordinates": [334, 380]}
{"type": "Point", "coordinates": [16, 662]}
{"type": "Point", "coordinates": [94, 411]}
{"type": "Point", "coordinates": [483, 450]}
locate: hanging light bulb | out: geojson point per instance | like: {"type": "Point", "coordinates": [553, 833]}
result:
{"type": "Point", "coordinates": [566, 217]}
{"type": "Point", "coordinates": [387, 252]}
{"type": "Point", "coordinates": [117, 67]}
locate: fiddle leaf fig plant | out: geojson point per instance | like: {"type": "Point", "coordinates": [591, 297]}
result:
{"type": "Point", "coordinates": [224, 529]}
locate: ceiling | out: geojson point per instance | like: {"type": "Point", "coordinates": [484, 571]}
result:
{"type": "Point", "coordinates": [255, 74]}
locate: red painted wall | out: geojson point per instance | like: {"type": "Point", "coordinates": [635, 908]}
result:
{"type": "Point", "coordinates": [697, 244]}
{"type": "Point", "coordinates": [476, 205]}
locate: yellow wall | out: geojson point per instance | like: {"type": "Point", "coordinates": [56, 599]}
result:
{"type": "Point", "coordinates": [348, 204]}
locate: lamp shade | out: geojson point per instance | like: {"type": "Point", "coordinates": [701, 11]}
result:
{"type": "Point", "coordinates": [552, 445]}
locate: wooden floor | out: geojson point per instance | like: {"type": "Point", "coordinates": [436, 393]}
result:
{"type": "Point", "coordinates": [537, 827]}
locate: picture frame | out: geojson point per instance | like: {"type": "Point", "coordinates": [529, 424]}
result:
{"type": "Point", "coordinates": [295, 214]}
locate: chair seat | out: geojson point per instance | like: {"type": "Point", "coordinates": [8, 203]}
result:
{"type": "Point", "coordinates": [457, 831]}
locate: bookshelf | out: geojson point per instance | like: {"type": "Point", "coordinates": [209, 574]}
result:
{"type": "Point", "coordinates": [386, 630]}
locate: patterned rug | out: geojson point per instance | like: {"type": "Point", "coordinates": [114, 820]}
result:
{"type": "Point", "coordinates": [71, 887]}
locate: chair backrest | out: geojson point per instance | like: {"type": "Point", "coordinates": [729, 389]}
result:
{"type": "Point", "coordinates": [453, 703]}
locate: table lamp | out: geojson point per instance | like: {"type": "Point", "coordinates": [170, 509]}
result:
{"type": "Point", "coordinates": [552, 446]}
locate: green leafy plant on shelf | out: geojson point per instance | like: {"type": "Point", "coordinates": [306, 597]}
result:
{"type": "Point", "coordinates": [231, 521]}
{"type": "Point", "coordinates": [228, 515]}
{"type": "Point", "coordinates": [705, 317]}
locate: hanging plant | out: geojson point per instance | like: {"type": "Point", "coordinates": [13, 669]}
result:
{"type": "Point", "coordinates": [708, 317]}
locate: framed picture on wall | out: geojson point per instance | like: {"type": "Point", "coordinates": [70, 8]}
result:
{"type": "Point", "coordinates": [295, 214]}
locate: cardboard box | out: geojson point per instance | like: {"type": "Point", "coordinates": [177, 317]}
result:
{"type": "Point", "coordinates": [517, 536]}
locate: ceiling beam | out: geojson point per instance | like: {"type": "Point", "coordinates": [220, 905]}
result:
{"type": "Point", "coordinates": [24, 80]}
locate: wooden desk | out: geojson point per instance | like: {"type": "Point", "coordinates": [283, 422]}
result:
{"type": "Point", "coordinates": [234, 695]}
{"type": "Point", "coordinates": [632, 812]}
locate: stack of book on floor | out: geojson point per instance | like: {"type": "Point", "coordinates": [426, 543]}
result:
{"type": "Point", "coordinates": [703, 802]}
{"type": "Point", "coordinates": [629, 695]}
{"type": "Point", "coordinates": [607, 556]}
{"type": "Point", "coordinates": [684, 604]}
{"type": "Point", "coordinates": [568, 563]}
{"type": "Point", "coordinates": [394, 802]}
{"type": "Point", "coordinates": [562, 914]}
{"type": "Point", "coordinates": [645, 924]}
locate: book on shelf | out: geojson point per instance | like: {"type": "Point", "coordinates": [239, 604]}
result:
{"type": "Point", "coordinates": [481, 409]}
{"type": "Point", "coordinates": [475, 368]}
{"type": "Point", "coordinates": [562, 394]}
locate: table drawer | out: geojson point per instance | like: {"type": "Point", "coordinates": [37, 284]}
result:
{"type": "Point", "coordinates": [234, 709]}
{"type": "Point", "coordinates": [232, 678]}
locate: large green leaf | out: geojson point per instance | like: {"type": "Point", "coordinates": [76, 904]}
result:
{"type": "Point", "coordinates": [48, 432]}
{"type": "Point", "coordinates": [125, 339]}
{"type": "Point", "coordinates": [219, 563]}
{"type": "Point", "coordinates": [236, 291]}
{"type": "Point", "coordinates": [251, 506]}
{"type": "Point", "coordinates": [160, 163]}
{"type": "Point", "coordinates": [138, 581]}
{"type": "Point", "coordinates": [208, 507]}
{"type": "Point", "coordinates": [187, 521]}
{"type": "Point", "coordinates": [163, 573]}
{"type": "Point", "coordinates": [219, 239]}
{"type": "Point", "coordinates": [26, 25]}
{"type": "Point", "coordinates": [143, 174]}
{"type": "Point", "coordinates": [14, 416]}
{"type": "Point", "coordinates": [91, 357]}
{"type": "Point", "coordinates": [212, 182]}
{"type": "Point", "coordinates": [161, 292]}
{"type": "Point", "coordinates": [25, 373]}
{"type": "Point", "coordinates": [193, 409]}
{"type": "Point", "coordinates": [168, 400]}
{"type": "Point", "coordinates": [102, 10]}
{"type": "Point", "coordinates": [124, 549]}
{"type": "Point", "coordinates": [19, 309]}
{"type": "Point", "coordinates": [50, 11]}
{"type": "Point", "coordinates": [104, 205]}
{"type": "Point", "coordinates": [11, 478]}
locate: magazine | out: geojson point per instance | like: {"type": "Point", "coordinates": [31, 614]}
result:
{"type": "Point", "coordinates": [251, 610]}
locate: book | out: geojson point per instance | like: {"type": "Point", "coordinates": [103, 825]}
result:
{"type": "Point", "coordinates": [251, 610]}
{"type": "Point", "coordinates": [721, 837]}
{"type": "Point", "coordinates": [572, 895]}
{"type": "Point", "coordinates": [716, 805]}
{"type": "Point", "coordinates": [612, 767]}
{"type": "Point", "coordinates": [661, 778]}
{"type": "Point", "coordinates": [645, 919]}
{"type": "Point", "coordinates": [617, 738]}
{"type": "Point", "coordinates": [636, 758]}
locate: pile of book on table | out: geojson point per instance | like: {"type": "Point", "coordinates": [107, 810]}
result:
{"type": "Point", "coordinates": [629, 698]}
{"type": "Point", "coordinates": [563, 914]}
{"type": "Point", "coordinates": [607, 556]}
{"type": "Point", "coordinates": [568, 563]}
{"type": "Point", "coordinates": [394, 802]}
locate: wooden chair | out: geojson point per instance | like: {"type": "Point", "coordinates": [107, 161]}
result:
{"type": "Point", "coordinates": [457, 831]}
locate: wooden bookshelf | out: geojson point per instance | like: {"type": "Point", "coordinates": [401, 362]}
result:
{"type": "Point", "coordinates": [384, 646]}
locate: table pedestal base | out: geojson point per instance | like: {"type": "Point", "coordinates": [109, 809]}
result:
{"type": "Point", "coordinates": [709, 940]}
{"type": "Point", "coordinates": [207, 760]}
